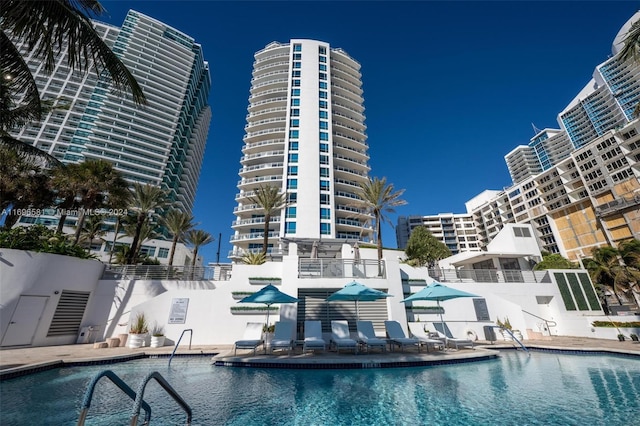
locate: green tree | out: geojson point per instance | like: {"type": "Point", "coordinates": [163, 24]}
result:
{"type": "Point", "coordinates": [177, 223]}
{"type": "Point", "coordinates": [92, 229]}
{"type": "Point", "coordinates": [270, 200]}
{"type": "Point", "coordinates": [145, 200]}
{"type": "Point", "coordinates": [197, 238]}
{"type": "Point", "coordinates": [423, 249]}
{"type": "Point", "coordinates": [608, 270]}
{"type": "Point", "coordinates": [377, 198]}
{"type": "Point", "coordinates": [554, 261]}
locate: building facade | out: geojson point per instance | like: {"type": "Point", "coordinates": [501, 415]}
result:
{"type": "Point", "coordinates": [305, 134]}
{"type": "Point", "coordinates": [456, 231]}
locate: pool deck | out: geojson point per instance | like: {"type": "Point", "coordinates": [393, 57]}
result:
{"type": "Point", "coordinates": [15, 360]}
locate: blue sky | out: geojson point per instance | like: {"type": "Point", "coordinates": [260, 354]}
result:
{"type": "Point", "coordinates": [449, 87]}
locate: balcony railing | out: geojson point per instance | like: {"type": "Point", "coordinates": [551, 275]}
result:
{"type": "Point", "coordinates": [165, 272]}
{"type": "Point", "coordinates": [341, 268]}
{"type": "Point", "coordinates": [489, 276]}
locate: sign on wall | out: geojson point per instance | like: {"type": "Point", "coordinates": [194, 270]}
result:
{"type": "Point", "coordinates": [482, 312]}
{"type": "Point", "coordinates": [178, 313]}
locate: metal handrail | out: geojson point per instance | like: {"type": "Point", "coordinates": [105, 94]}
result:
{"type": "Point", "coordinates": [178, 343]}
{"type": "Point", "coordinates": [514, 338]}
{"type": "Point", "coordinates": [88, 395]}
{"type": "Point", "coordinates": [548, 323]}
{"type": "Point", "coordinates": [167, 387]}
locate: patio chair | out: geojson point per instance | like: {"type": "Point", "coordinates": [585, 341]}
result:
{"type": "Point", "coordinates": [251, 339]}
{"type": "Point", "coordinates": [282, 336]}
{"type": "Point", "coordinates": [341, 337]}
{"type": "Point", "coordinates": [417, 331]}
{"type": "Point", "coordinates": [367, 336]}
{"type": "Point", "coordinates": [397, 336]}
{"type": "Point", "coordinates": [313, 336]}
{"type": "Point", "coordinates": [452, 342]}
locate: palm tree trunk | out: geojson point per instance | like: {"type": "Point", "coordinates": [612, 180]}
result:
{"type": "Point", "coordinates": [63, 218]}
{"type": "Point", "coordinates": [115, 237]}
{"type": "Point", "coordinates": [265, 241]}
{"type": "Point", "coordinates": [136, 239]}
{"type": "Point", "coordinates": [79, 226]}
{"type": "Point", "coordinates": [173, 249]}
{"type": "Point", "coordinates": [379, 244]}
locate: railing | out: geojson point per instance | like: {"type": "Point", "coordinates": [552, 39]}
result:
{"type": "Point", "coordinates": [167, 387]}
{"type": "Point", "coordinates": [190, 330]}
{"type": "Point", "coordinates": [514, 338]}
{"type": "Point", "coordinates": [489, 276]}
{"type": "Point", "coordinates": [159, 272]}
{"type": "Point", "coordinates": [88, 395]}
{"type": "Point", "coordinates": [547, 323]}
{"type": "Point", "coordinates": [341, 268]}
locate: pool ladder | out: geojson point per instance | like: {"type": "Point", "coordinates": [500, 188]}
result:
{"type": "Point", "coordinates": [190, 330]}
{"type": "Point", "coordinates": [515, 339]}
{"type": "Point", "coordinates": [139, 403]}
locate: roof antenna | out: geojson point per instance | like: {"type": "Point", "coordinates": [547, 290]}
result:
{"type": "Point", "coordinates": [535, 129]}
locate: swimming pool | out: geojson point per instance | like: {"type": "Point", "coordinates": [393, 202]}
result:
{"type": "Point", "coordinates": [540, 389]}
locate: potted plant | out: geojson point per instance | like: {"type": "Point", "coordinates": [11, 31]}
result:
{"type": "Point", "coordinates": [621, 337]}
{"type": "Point", "coordinates": [265, 280]}
{"type": "Point", "coordinates": [634, 337]}
{"type": "Point", "coordinates": [138, 331]}
{"type": "Point", "coordinates": [157, 336]}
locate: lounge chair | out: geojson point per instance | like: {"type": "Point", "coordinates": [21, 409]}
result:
{"type": "Point", "coordinates": [397, 336]}
{"type": "Point", "coordinates": [417, 331]}
{"type": "Point", "coordinates": [313, 336]}
{"type": "Point", "coordinates": [252, 337]}
{"type": "Point", "coordinates": [367, 336]}
{"type": "Point", "coordinates": [340, 336]}
{"type": "Point", "coordinates": [282, 336]}
{"type": "Point", "coordinates": [452, 342]}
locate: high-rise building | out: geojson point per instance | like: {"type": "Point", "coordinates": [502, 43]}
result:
{"type": "Point", "coordinates": [456, 231]}
{"type": "Point", "coordinates": [305, 134]}
{"type": "Point", "coordinates": [162, 142]}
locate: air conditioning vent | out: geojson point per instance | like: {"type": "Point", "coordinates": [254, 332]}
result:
{"type": "Point", "coordinates": [69, 312]}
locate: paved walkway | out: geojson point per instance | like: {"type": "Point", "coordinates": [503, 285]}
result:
{"type": "Point", "coordinates": [21, 358]}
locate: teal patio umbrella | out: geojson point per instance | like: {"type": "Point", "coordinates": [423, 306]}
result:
{"type": "Point", "coordinates": [438, 292]}
{"type": "Point", "coordinates": [357, 292]}
{"type": "Point", "coordinates": [269, 295]}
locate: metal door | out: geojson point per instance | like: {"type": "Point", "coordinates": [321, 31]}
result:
{"type": "Point", "coordinates": [25, 320]}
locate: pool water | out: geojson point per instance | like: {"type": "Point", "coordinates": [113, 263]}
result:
{"type": "Point", "coordinates": [540, 389]}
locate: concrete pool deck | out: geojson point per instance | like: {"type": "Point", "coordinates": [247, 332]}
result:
{"type": "Point", "coordinates": [15, 360]}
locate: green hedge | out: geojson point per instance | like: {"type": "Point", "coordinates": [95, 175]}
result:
{"type": "Point", "coordinates": [612, 324]}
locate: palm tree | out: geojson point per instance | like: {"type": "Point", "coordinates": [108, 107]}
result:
{"type": "Point", "coordinates": [92, 228]}
{"type": "Point", "coordinates": [251, 258]}
{"type": "Point", "coordinates": [377, 197]}
{"type": "Point", "coordinates": [177, 223]}
{"type": "Point", "coordinates": [608, 269]}
{"type": "Point", "coordinates": [145, 200]}
{"type": "Point", "coordinates": [146, 232]}
{"type": "Point", "coordinates": [197, 238]}
{"type": "Point", "coordinates": [271, 200]}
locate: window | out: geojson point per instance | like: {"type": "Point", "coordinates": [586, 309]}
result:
{"type": "Point", "coordinates": [322, 50]}
{"type": "Point", "coordinates": [297, 56]}
{"type": "Point", "coordinates": [292, 170]}
{"type": "Point", "coordinates": [324, 159]}
{"type": "Point", "coordinates": [294, 123]}
{"type": "Point", "coordinates": [296, 102]}
{"type": "Point", "coordinates": [324, 125]}
{"type": "Point", "coordinates": [325, 213]}
{"type": "Point", "coordinates": [296, 83]}
{"type": "Point", "coordinates": [290, 228]}
{"type": "Point", "coordinates": [293, 158]}
{"type": "Point", "coordinates": [297, 64]}
{"type": "Point", "coordinates": [323, 59]}
{"type": "Point", "coordinates": [325, 228]}
{"type": "Point", "coordinates": [293, 146]}
{"type": "Point", "coordinates": [324, 136]}
{"type": "Point", "coordinates": [292, 197]}
{"type": "Point", "coordinates": [324, 114]}
{"type": "Point", "coordinates": [323, 104]}
{"type": "Point", "coordinates": [323, 84]}
{"type": "Point", "coordinates": [323, 94]}
{"type": "Point", "coordinates": [324, 199]}
{"type": "Point", "coordinates": [292, 183]}
{"type": "Point", "coordinates": [324, 185]}
{"type": "Point", "coordinates": [291, 212]}
{"type": "Point", "coordinates": [323, 76]}
{"type": "Point", "coordinates": [294, 134]}
{"type": "Point", "coordinates": [296, 73]}
{"type": "Point", "coordinates": [323, 67]}
{"type": "Point", "coordinates": [521, 232]}
{"type": "Point", "coordinates": [295, 92]}
{"type": "Point", "coordinates": [324, 172]}
{"type": "Point", "coordinates": [297, 47]}
{"type": "Point", "coordinates": [295, 112]}
{"type": "Point", "coordinates": [163, 253]}
{"type": "Point", "coordinates": [324, 147]}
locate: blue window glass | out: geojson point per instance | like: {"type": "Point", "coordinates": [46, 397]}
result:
{"type": "Point", "coordinates": [324, 147]}
{"type": "Point", "coordinates": [291, 212]}
{"type": "Point", "coordinates": [323, 67]}
{"type": "Point", "coordinates": [297, 48]}
{"type": "Point", "coordinates": [297, 56]}
{"type": "Point", "coordinates": [325, 213]}
{"type": "Point", "coordinates": [324, 114]}
{"type": "Point", "coordinates": [324, 125]}
{"type": "Point", "coordinates": [293, 158]}
{"type": "Point", "coordinates": [295, 92]}
{"type": "Point", "coordinates": [293, 146]}
{"type": "Point", "coordinates": [292, 183]}
{"type": "Point", "coordinates": [292, 170]}
{"type": "Point", "coordinates": [324, 185]}
{"type": "Point", "coordinates": [324, 199]}
{"type": "Point", "coordinates": [323, 59]}
{"type": "Point", "coordinates": [297, 64]}
{"type": "Point", "coordinates": [325, 228]}
{"type": "Point", "coordinates": [294, 134]}
{"type": "Point", "coordinates": [295, 123]}
{"type": "Point", "coordinates": [296, 73]}
{"type": "Point", "coordinates": [296, 102]}
{"type": "Point", "coordinates": [290, 227]}
{"type": "Point", "coordinates": [163, 253]}
{"type": "Point", "coordinates": [323, 104]}
{"type": "Point", "coordinates": [324, 172]}
{"type": "Point", "coordinates": [323, 94]}
{"type": "Point", "coordinates": [296, 83]}
{"type": "Point", "coordinates": [323, 84]}
{"type": "Point", "coordinates": [324, 159]}
{"type": "Point", "coordinates": [292, 197]}
{"type": "Point", "coordinates": [322, 50]}
{"type": "Point", "coordinates": [324, 136]}
{"type": "Point", "coordinates": [295, 112]}
{"type": "Point", "coordinates": [323, 76]}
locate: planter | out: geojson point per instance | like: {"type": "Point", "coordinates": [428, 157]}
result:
{"type": "Point", "coordinates": [634, 337]}
{"type": "Point", "coordinates": [621, 337]}
{"type": "Point", "coordinates": [136, 340]}
{"type": "Point", "coordinates": [253, 311]}
{"type": "Point", "coordinates": [240, 295]}
{"type": "Point", "coordinates": [157, 341]}
{"type": "Point", "coordinates": [265, 281]}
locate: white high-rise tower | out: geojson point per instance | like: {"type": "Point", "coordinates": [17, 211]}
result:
{"type": "Point", "coordinates": [305, 134]}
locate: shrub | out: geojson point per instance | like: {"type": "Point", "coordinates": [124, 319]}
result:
{"type": "Point", "coordinates": [41, 239]}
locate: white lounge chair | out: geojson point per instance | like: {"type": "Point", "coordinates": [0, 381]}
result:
{"type": "Point", "coordinates": [367, 336]}
{"type": "Point", "coordinates": [397, 336]}
{"type": "Point", "coordinates": [417, 331]}
{"type": "Point", "coordinates": [313, 336]}
{"type": "Point", "coordinates": [341, 337]}
{"type": "Point", "coordinates": [252, 337]}
{"type": "Point", "coordinates": [452, 342]}
{"type": "Point", "coordinates": [282, 336]}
